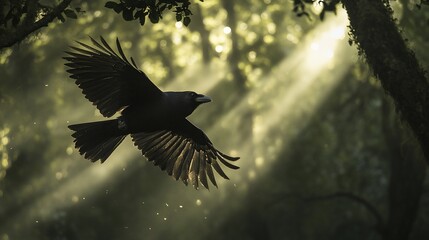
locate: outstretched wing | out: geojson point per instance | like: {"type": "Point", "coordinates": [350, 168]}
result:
{"type": "Point", "coordinates": [107, 79]}
{"type": "Point", "coordinates": [185, 152]}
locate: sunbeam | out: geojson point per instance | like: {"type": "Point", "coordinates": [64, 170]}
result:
{"type": "Point", "coordinates": [293, 90]}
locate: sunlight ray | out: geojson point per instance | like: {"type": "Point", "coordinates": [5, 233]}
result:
{"type": "Point", "coordinates": [294, 89]}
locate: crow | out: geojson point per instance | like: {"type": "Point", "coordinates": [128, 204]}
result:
{"type": "Point", "coordinates": [156, 120]}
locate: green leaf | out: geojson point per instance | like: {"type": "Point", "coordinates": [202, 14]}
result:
{"type": "Point", "coordinates": [186, 21]}
{"type": "Point", "coordinates": [138, 14]}
{"type": "Point", "coordinates": [187, 12]}
{"type": "Point", "coordinates": [178, 17]}
{"type": "Point", "coordinates": [154, 17]}
{"type": "Point", "coordinates": [141, 4]}
{"type": "Point", "coordinates": [162, 7]}
{"type": "Point", "coordinates": [70, 14]}
{"type": "Point", "coordinates": [111, 5]}
{"type": "Point", "coordinates": [117, 7]}
{"type": "Point", "coordinates": [61, 17]}
{"type": "Point", "coordinates": [142, 19]}
{"type": "Point", "coordinates": [127, 14]}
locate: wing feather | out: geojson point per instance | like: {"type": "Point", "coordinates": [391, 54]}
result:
{"type": "Point", "coordinates": [184, 152]}
{"type": "Point", "coordinates": [106, 47]}
{"type": "Point", "coordinates": [175, 155]}
{"type": "Point", "coordinates": [178, 164]}
{"type": "Point", "coordinates": [202, 171]}
{"type": "Point", "coordinates": [210, 174]}
{"type": "Point", "coordinates": [194, 168]}
{"type": "Point", "coordinates": [184, 172]}
{"type": "Point", "coordinates": [107, 79]}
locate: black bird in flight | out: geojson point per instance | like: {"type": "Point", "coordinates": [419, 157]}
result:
{"type": "Point", "coordinates": [156, 120]}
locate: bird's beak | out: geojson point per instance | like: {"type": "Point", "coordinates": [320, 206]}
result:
{"type": "Point", "coordinates": [202, 99]}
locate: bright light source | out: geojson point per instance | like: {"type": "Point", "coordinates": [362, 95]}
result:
{"type": "Point", "coordinates": [179, 25]}
{"type": "Point", "coordinates": [259, 161]}
{"type": "Point", "coordinates": [325, 43]}
{"type": "Point", "coordinates": [4, 140]}
{"type": "Point", "coordinates": [338, 33]}
{"type": "Point", "coordinates": [317, 7]}
{"type": "Point", "coordinates": [329, 54]}
{"type": "Point", "coordinates": [4, 163]}
{"type": "Point", "coordinates": [268, 39]}
{"type": "Point", "coordinates": [292, 38]}
{"type": "Point", "coordinates": [252, 56]}
{"type": "Point", "coordinates": [177, 39]}
{"type": "Point", "coordinates": [227, 30]}
{"type": "Point", "coordinates": [219, 48]}
{"type": "Point", "coordinates": [271, 27]}
{"type": "Point", "coordinates": [314, 46]}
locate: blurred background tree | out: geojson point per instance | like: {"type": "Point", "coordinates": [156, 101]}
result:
{"type": "Point", "coordinates": [324, 153]}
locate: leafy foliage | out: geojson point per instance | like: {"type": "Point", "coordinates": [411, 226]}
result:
{"type": "Point", "coordinates": [152, 9]}
{"type": "Point", "coordinates": [327, 6]}
{"type": "Point", "coordinates": [422, 2]}
{"type": "Point", "coordinates": [19, 19]}
{"type": "Point", "coordinates": [69, 13]}
{"type": "Point", "coordinates": [14, 12]}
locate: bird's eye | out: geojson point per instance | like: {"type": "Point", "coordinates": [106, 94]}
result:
{"type": "Point", "coordinates": [192, 94]}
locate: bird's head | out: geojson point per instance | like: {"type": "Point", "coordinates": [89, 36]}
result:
{"type": "Point", "coordinates": [186, 102]}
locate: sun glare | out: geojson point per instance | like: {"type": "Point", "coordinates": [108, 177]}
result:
{"type": "Point", "coordinates": [227, 30]}
{"type": "Point", "coordinates": [219, 48]}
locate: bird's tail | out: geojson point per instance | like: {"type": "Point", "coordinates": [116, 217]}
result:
{"type": "Point", "coordinates": [97, 140]}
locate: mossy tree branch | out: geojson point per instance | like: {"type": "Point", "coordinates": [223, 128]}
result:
{"type": "Point", "coordinates": [9, 37]}
{"type": "Point", "coordinates": [393, 63]}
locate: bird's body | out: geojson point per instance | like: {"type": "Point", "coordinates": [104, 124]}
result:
{"type": "Point", "coordinates": [149, 116]}
{"type": "Point", "coordinates": [155, 120]}
{"type": "Point", "coordinates": [161, 113]}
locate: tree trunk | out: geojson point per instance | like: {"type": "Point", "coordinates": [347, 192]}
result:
{"type": "Point", "coordinates": [234, 56]}
{"type": "Point", "coordinates": [407, 174]}
{"type": "Point", "coordinates": [393, 63]}
{"type": "Point", "coordinates": [198, 25]}
{"type": "Point", "coordinates": [239, 77]}
{"type": "Point", "coordinates": [405, 190]}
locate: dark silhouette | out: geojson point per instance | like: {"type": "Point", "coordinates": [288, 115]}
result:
{"type": "Point", "coordinates": [156, 120]}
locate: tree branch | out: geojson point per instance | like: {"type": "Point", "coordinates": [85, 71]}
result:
{"type": "Point", "coordinates": [9, 38]}
{"type": "Point", "coordinates": [367, 205]}
{"type": "Point", "coordinates": [379, 226]}
{"type": "Point", "coordinates": [393, 63]}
